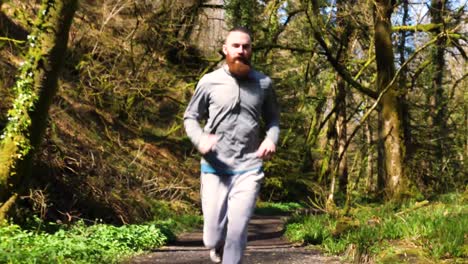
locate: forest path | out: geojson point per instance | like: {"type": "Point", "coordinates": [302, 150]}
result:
{"type": "Point", "coordinates": [266, 245]}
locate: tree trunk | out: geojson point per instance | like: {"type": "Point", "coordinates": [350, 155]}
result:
{"type": "Point", "coordinates": [341, 129]}
{"type": "Point", "coordinates": [346, 27]}
{"type": "Point", "coordinates": [370, 157]}
{"type": "Point", "coordinates": [210, 27]}
{"type": "Point", "coordinates": [402, 80]}
{"type": "Point", "coordinates": [35, 88]}
{"type": "Point", "coordinates": [437, 100]}
{"type": "Point", "coordinates": [381, 172]}
{"type": "Point", "coordinates": [397, 184]}
{"type": "Point", "coordinates": [339, 165]}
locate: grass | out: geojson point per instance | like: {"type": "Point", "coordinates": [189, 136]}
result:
{"type": "Point", "coordinates": [96, 243]}
{"type": "Point", "coordinates": [269, 208]}
{"type": "Point", "coordinates": [178, 216]}
{"type": "Point", "coordinates": [436, 232]}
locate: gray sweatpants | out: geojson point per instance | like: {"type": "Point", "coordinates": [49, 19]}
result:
{"type": "Point", "coordinates": [227, 204]}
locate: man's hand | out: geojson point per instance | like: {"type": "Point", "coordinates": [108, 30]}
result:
{"type": "Point", "coordinates": [207, 143]}
{"type": "Point", "coordinates": [266, 149]}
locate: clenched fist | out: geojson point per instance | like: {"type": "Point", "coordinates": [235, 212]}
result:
{"type": "Point", "coordinates": [207, 143]}
{"type": "Point", "coordinates": [266, 149]}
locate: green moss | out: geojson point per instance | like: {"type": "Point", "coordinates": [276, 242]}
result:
{"type": "Point", "coordinates": [425, 28]}
{"type": "Point", "coordinates": [402, 252]}
{"type": "Point", "coordinates": [8, 148]}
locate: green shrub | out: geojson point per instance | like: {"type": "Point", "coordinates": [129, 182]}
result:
{"type": "Point", "coordinates": [80, 244]}
{"type": "Point", "coordinates": [39, 242]}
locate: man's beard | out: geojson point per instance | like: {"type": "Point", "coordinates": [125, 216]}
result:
{"type": "Point", "coordinates": [238, 66]}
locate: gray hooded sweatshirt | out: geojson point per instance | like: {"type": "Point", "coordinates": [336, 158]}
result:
{"type": "Point", "coordinates": [233, 109]}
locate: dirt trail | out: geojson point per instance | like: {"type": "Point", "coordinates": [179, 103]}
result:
{"type": "Point", "coordinates": [265, 245]}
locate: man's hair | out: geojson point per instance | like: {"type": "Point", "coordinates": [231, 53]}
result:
{"type": "Point", "coordinates": [241, 29]}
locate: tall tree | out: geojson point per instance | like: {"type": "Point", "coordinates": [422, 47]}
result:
{"type": "Point", "coordinates": [403, 79]}
{"type": "Point", "coordinates": [35, 88]}
{"type": "Point", "coordinates": [345, 31]}
{"type": "Point", "coordinates": [437, 98]}
{"type": "Point", "coordinates": [346, 36]}
{"type": "Point", "coordinates": [397, 183]}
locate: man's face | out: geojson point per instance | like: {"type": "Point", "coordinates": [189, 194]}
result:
{"type": "Point", "coordinates": [238, 51]}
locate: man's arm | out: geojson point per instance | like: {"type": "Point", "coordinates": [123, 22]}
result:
{"type": "Point", "coordinates": [271, 114]}
{"type": "Point", "coordinates": [197, 110]}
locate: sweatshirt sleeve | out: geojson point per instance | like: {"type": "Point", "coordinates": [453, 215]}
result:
{"type": "Point", "coordinates": [197, 109]}
{"type": "Point", "coordinates": [271, 115]}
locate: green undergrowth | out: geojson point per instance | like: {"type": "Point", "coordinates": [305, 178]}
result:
{"type": "Point", "coordinates": [269, 208]}
{"type": "Point", "coordinates": [95, 242]}
{"type": "Point", "coordinates": [178, 216]}
{"type": "Point", "coordinates": [426, 232]}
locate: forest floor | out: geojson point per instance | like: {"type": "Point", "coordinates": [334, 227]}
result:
{"type": "Point", "coordinates": [266, 245]}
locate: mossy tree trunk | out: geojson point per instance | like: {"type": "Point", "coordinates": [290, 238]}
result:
{"type": "Point", "coordinates": [397, 183]}
{"type": "Point", "coordinates": [341, 134]}
{"type": "Point", "coordinates": [347, 36]}
{"type": "Point", "coordinates": [370, 156]}
{"type": "Point", "coordinates": [35, 88]}
{"type": "Point", "coordinates": [381, 172]}
{"type": "Point", "coordinates": [403, 79]}
{"type": "Point", "coordinates": [340, 159]}
{"type": "Point", "coordinates": [437, 98]}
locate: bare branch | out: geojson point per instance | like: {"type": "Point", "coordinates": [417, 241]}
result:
{"type": "Point", "coordinates": [12, 40]}
{"type": "Point", "coordinates": [278, 46]}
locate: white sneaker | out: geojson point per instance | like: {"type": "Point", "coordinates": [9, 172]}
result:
{"type": "Point", "coordinates": [215, 256]}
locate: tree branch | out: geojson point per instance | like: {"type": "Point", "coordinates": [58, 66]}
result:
{"type": "Point", "coordinates": [456, 83]}
{"type": "Point", "coordinates": [12, 40]}
{"type": "Point", "coordinates": [5, 207]}
{"type": "Point", "coordinates": [278, 46]}
{"type": "Point", "coordinates": [214, 6]}
{"type": "Point", "coordinates": [418, 28]}
{"type": "Point", "coordinates": [342, 71]}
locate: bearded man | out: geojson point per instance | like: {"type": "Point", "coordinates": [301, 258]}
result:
{"type": "Point", "coordinates": [233, 99]}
